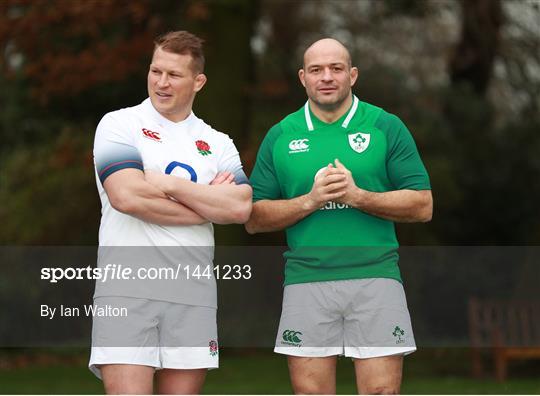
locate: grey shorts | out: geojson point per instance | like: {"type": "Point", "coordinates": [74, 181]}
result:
{"type": "Point", "coordinates": [153, 333]}
{"type": "Point", "coordinates": [359, 318]}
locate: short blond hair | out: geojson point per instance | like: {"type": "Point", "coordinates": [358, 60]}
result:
{"type": "Point", "coordinates": [183, 43]}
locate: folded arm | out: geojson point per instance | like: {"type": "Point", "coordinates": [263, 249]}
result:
{"type": "Point", "coordinates": [131, 194]}
{"type": "Point", "coordinates": [223, 203]}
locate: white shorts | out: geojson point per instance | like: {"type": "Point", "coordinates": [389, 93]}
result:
{"type": "Point", "coordinates": [358, 318]}
{"type": "Point", "coordinates": [154, 333]}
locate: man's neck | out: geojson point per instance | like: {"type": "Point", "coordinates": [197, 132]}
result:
{"type": "Point", "coordinates": [176, 117]}
{"type": "Point", "coordinates": [330, 115]}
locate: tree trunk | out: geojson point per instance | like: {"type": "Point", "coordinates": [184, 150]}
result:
{"type": "Point", "coordinates": [474, 55]}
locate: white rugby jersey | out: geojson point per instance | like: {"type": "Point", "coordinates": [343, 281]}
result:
{"type": "Point", "coordinates": [141, 138]}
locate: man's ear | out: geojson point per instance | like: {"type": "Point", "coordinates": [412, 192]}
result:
{"type": "Point", "coordinates": [200, 80]}
{"type": "Point", "coordinates": [301, 75]}
{"type": "Point", "coordinates": [354, 75]}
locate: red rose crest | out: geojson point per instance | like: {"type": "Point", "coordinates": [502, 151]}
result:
{"type": "Point", "coordinates": [203, 147]}
{"type": "Point", "coordinates": [213, 346]}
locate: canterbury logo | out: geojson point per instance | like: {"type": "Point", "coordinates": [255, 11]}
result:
{"type": "Point", "coordinates": [292, 336]}
{"type": "Point", "coordinates": [299, 146]}
{"type": "Point", "coordinates": [151, 135]}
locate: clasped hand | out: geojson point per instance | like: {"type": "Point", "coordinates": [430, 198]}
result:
{"type": "Point", "coordinates": [333, 183]}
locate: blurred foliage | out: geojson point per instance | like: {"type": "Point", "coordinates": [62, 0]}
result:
{"type": "Point", "coordinates": [49, 192]}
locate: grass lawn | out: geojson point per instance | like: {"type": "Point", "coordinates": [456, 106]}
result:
{"type": "Point", "coordinates": [266, 373]}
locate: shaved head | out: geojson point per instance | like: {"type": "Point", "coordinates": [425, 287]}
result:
{"type": "Point", "coordinates": [328, 46]}
{"type": "Point", "coordinates": [328, 76]}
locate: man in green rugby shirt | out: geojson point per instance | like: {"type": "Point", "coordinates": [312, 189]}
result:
{"type": "Point", "coordinates": [337, 174]}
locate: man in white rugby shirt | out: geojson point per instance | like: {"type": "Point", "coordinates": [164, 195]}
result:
{"type": "Point", "coordinates": [164, 176]}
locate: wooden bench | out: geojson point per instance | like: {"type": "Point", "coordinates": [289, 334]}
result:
{"type": "Point", "coordinates": [510, 329]}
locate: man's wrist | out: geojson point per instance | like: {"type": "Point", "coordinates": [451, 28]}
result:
{"type": "Point", "coordinates": [359, 198]}
{"type": "Point", "coordinates": [171, 184]}
{"type": "Point", "coordinates": [308, 204]}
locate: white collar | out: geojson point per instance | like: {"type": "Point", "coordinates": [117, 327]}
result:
{"type": "Point", "coordinates": [346, 121]}
{"type": "Point", "coordinates": [147, 103]}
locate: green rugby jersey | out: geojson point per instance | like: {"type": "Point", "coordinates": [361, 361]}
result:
{"type": "Point", "coordinates": [337, 241]}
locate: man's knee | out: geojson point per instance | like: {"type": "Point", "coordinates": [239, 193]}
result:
{"type": "Point", "coordinates": [112, 388]}
{"type": "Point", "coordinates": [125, 388]}
{"type": "Point", "coordinates": [127, 379]}
{"type": "Point", "coordinates": [307, 387]}
{"type": "Point", "coordinates": [313, 376]}
{"type": "Point", "coordinates": [380, 390]}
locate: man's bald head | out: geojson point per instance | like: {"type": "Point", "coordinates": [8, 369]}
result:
{"type": "Point", "coordinates": [327, 47]}
{"type": "Point", "coordinates": [328, 76]}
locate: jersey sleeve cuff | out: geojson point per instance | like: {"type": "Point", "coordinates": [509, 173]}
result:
{"type": "Point", "coordinates": [116, 166]}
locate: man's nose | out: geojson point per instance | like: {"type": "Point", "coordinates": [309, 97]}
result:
{"type": "Point", "coordinates": [327, 74]}
{"type": "Point", "coordinates": [163, 80]}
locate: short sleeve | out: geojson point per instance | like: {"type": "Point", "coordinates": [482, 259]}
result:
{"type": "Point", "coordinates": [404, 165]}
{"type": "Point", "coordinates": [114, 148]}
{"type": "Point", "coordinates": [263, 178]}
{"type": "Point", "coordinates": [230, 162]}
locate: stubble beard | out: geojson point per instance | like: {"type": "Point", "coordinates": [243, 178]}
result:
{"type": "Point", "coordinates": [331, 106]}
